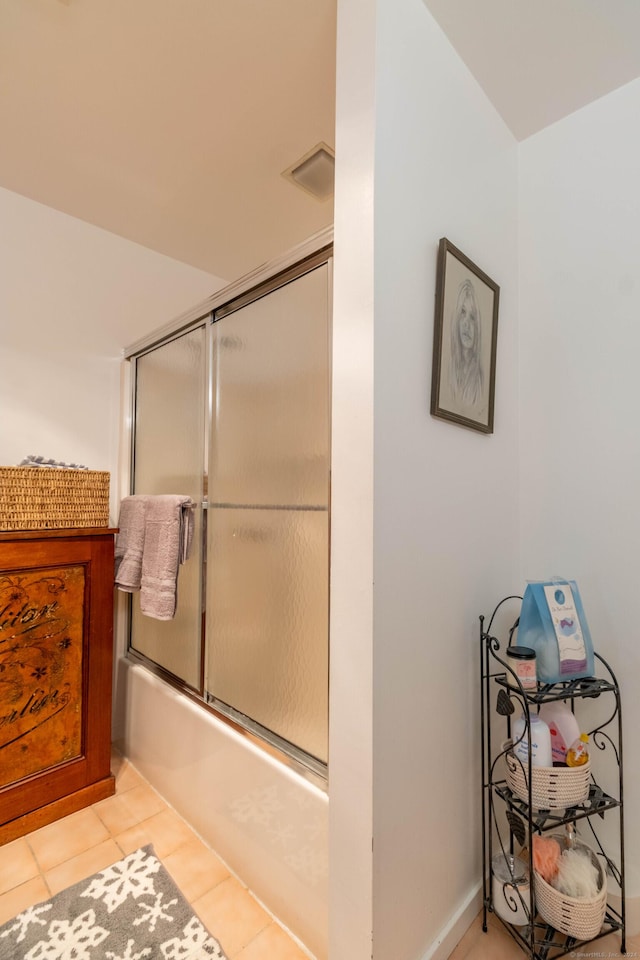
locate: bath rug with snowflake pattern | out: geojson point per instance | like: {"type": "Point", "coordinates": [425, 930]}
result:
{"type": "Point", "coordinates": [132, 910]}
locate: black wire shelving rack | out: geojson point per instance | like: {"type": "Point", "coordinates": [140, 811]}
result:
{"type": "Point", "coordinates": [509, 821]}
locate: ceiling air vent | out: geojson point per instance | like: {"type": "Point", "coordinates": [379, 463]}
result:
{"type": "Point", "coordinates": [314, 172]}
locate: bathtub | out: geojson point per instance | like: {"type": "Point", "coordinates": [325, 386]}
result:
{"type": "Point", "coordinates": [268, 823]}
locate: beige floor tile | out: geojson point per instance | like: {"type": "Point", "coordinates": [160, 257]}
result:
{"type": "Point", "coordinates": [17, 864]}
{"type": "Point", "coordinates": [232, 915]}
{"type": "Point", "coordinates": [494, 945]}
{"type": "Point", "coordinates": [608, 947]}
{"type": "Point", "coordinates": [196, 869]}
{"type": "Point", "coordinates": [272, 944]}
{"type": "Point", "coordinates": [125, 810]}
{"type": "Point", "coordinates": [134, 838]}
{"type": "Point", "coordinates": [467, 941]}
{"type": "Point", "coordinates": [143, 801]}
{"type": "Point", "coordinates": [476, 945]}
{"type": "Point", "coordinates": [26, 895]}
{"type": "Point", "coordinates": [67, 838]}
{"type": "Point", "coordinates": [118, 761]}
{"type": "Point", "coordinates": [127, 777]}
{"type": "Point", "coordinates": [83, 866]}
{"type": "Point", "coordinates": [165, 830]}
{"type": "Point", "coordinates": [115, 816]}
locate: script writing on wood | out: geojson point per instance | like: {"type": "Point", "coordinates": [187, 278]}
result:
{"type": "Point", "coordinates": [41, 657]}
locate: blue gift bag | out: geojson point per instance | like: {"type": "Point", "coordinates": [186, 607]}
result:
{"type": "Point", "coordinates": [553, 623]}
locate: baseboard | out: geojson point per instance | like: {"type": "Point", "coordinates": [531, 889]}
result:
{"type": "Point", "coordinates": [455, 929]}
{"type": "Point", "coordinates": [57, 809]}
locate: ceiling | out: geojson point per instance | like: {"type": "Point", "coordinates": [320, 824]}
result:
{"type": "Point", "coordinates": [170, 122]}
{"type": "Point", "coordinates": [540, 60]}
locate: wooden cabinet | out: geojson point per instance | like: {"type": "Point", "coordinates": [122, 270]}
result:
{"type": "Point", "coordinates": [56, 661]}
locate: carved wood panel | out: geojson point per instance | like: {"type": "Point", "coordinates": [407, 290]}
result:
{"type": "Point", "coordinates": [41, 662]}
{"type": "Point", "coordinates": [56, 672]}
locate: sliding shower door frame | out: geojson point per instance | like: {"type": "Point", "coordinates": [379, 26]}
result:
{"type": "Point", "coordinates": [315, 252]}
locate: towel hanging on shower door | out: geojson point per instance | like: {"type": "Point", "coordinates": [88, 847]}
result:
{"type": "Point", "coordinates": [154, 538]}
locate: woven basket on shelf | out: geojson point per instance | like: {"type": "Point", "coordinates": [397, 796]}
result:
{"type": "Point", "coordinates": [552, 788]}
{"type": "Point", "coordinates": [37, 498]}
{"type": "Point", "coordinates": [579, 917]}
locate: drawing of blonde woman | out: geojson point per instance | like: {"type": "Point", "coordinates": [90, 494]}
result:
{"type": "Point", "coordinates": [466, 374]}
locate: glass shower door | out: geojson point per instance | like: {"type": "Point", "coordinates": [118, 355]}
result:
{"type": "Point", "coordinates": [168, 453]}
{"type": "Point", "coordinates": [268, 517]}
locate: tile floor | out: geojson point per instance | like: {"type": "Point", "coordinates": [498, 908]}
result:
{"type": "Point", "coordinates": [36, 866]}
{"type": "Point", "coordinates": [497, 944]}
{"type": "Point", "coordinates": [44, 862]}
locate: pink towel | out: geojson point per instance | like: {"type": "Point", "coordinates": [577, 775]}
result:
{"type": "Point", "coordinates": [154, 539]}
{"type": "Point", "coordinates": [130, 543]}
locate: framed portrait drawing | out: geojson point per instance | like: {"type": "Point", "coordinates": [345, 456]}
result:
{"type": "Point", "coordinates": [464, 341]}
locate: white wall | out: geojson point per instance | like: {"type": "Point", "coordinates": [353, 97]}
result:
{"type": "Point", "coordinates": [445, 518]}
{"type": "Point", "coordinates": [444, 512]}
{"type": "Point", "coordinates": [71, 297]}
{"type": "Point", "coordinates": [350, 686]}
{"type": "Point", "coordinates": [580, 456]}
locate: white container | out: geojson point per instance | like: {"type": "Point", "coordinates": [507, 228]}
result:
{"type": "Point", "coordinates": [510, 889]}
{"type": "Point", "coordinates": [522, 661]}
{"type": "Point", "coordinates": [563, 728]}
{"type": "Point", "coordinates": [540, 741]}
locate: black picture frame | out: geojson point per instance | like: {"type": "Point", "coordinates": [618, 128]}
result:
{"type": "Point", "coordinates": [465, 339]}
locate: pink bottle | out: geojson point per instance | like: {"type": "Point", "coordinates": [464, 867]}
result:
{"type": "Point", "coordinates": [563, 728]}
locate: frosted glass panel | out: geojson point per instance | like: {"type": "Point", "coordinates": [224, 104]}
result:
{"type": "Point", "coordinates": [268, 523]}
{"type": "Point", "coordinates": [267, 619]}
{"type": "Point", "coordinates": [253, 387]}
{"type": "Point", "coordinates": [169, 458]}
{"type": "Point", "coordinates": [270, 440]}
